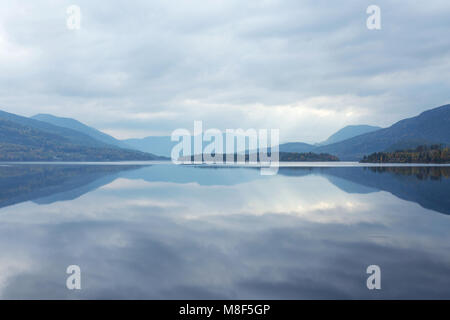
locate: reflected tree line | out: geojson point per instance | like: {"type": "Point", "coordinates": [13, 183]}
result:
{"type": "Point", "coordinates": [427, 185]}
{"type": "Point", "coordinates": [421, 173]}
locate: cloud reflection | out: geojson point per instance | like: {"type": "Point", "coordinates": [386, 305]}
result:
{"type": "Point", "coordinates": [294, 237]}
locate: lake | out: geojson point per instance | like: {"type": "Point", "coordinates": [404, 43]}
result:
{"type": "Point", "coordinates": [162, 231]}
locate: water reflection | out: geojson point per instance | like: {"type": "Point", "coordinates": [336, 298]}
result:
{"type": "Point", "coordinates": [168, 231]}
{"type": "Point", "coordinates": [20, 183]}
{"type": "Point", "coordinates": [427, 186]}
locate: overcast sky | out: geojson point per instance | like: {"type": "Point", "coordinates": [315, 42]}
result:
{"type": "Point", "coordinates": [138, 68]}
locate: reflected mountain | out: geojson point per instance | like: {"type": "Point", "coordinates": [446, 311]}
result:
{"type": "Point", "coordinates": [49, 183]}
{"type": "Point", "coordinates": [427, 186]}
{"type": "Point", "coordinates": [44, 184]}
{"type": "Point", "coordinates": [204, 175]}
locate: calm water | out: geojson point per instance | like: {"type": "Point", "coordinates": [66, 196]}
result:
{"type": "Point", "coordinates": [166, 231]}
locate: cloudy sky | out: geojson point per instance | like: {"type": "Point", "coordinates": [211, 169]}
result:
{"type": "Point", "coordinates": [138, 68]}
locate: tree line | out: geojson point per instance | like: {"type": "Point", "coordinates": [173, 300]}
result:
{"type": "Point", "coordinates": [422, 154]}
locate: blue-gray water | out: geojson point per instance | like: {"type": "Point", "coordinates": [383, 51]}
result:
{"type": "Point", "coordinates": [170, 232]}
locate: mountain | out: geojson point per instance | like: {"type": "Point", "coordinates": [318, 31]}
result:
{"type": "Point", "coordinates": [348, 132]}
{"type": "Point", "coordinates": [80, 127]}
{"type": "Point", "coordinates": [350, 143]}
{"type": "Point", "coordinates": [157, 145]}
{"type": "Point", "coordinates": [162, 145]}
{"type": "Point", "coordinates": [25, 139]}
{"type": "Point", "coordinates": [430, 127]}
{"type": "Point", "coordinates": [73, 136]}
{"type": "Point", "coordinates": [299, 147]}
{"type": "Point", "coordinates": [343, 134]}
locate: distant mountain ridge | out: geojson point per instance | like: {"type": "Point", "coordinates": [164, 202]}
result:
{"type": "Point", "coordinates": [163, 145]}
{"type": "Point", "coordinates": [340, 135]}
{"type": "Point", "coordinates": [25, 139]}
{"type": "Point", "coordinates": [80, 127]}
{"type": "Point", "coordinates": [49, 137]}
{"type": "Point", "coordinates": [299, 147]}
{"type": "Point", "coordinates": [71, 135]}
{"type": "Point", "coordinates": [160, 145]}
{"type": "Point", "coordinates": [349, 132]}
{"type": "Point", "coordinates": [352, 143]}
{"type": "Point", "coordinates": [429, 127]}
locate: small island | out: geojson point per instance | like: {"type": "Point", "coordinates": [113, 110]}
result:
{"type": "Point", "coordinates": [282, 157]}
{"type": "Point", "coordinates": [422, 154]}
{"type": "Point", "coordinates": [307, 157]}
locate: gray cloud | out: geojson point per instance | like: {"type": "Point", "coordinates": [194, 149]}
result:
{"type": "Point", "coordinates": [306, 67]}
